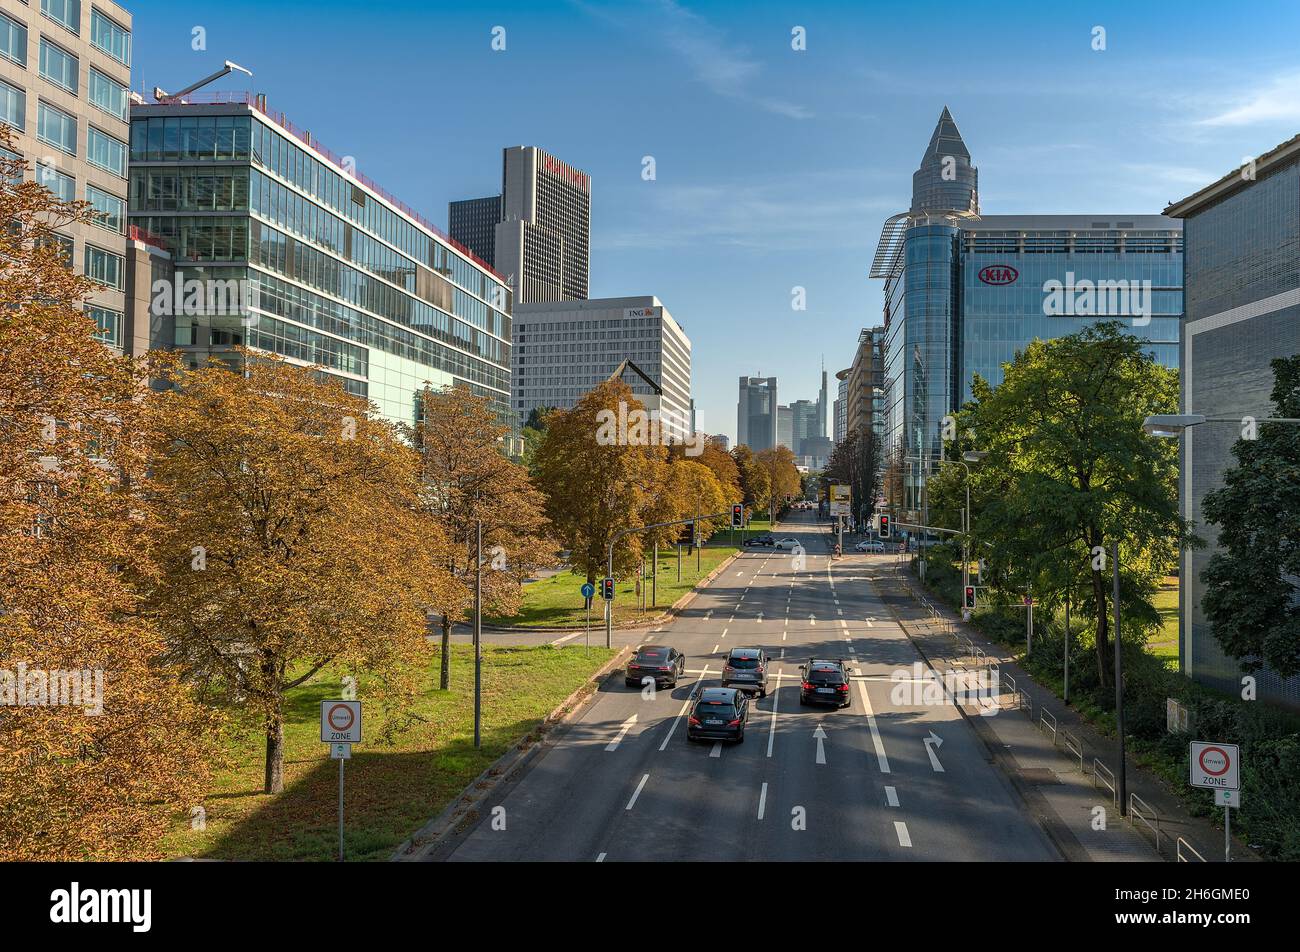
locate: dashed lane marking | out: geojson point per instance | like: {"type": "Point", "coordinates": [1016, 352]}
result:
{"type": "Point", "coordinates": [637, 792]}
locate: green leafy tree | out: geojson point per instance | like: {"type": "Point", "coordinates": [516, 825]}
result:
{"type": "Point", "coordinates": [1250, 597]}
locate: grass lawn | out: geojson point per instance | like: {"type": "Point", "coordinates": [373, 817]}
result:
{"type": "Point", "coordinates": [390, 790]}
{"type": "Point", "coordinates": [556, 602]}
{"type": "Point", "coordinates": [1165, 644]}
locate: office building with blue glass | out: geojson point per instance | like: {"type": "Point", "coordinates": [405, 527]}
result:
{"type": "Point", "coordinates": [344, 275]}
{"type": "Point", "coordinates": [964, 292]}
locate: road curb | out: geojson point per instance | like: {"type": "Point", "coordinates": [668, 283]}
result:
{"type": "Point", "coordinates": [467, 806]}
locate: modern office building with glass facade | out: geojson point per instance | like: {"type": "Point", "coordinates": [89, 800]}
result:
{"type": "Point", "coordinates": [964, 292]}
{"type": "Point", "coordinates": [757, 413]}
{"type": "Point", "coordinates": [344, 275]}
{"type": "Point", "coordinates": [1242, 283]}
{"type": "Point", "coordinates": [65, 80]}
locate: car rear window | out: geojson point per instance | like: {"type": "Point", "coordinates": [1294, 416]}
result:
{"type": "Point", "coordinates": [655, 657]}
{"type": "Point", "coordinates": [825, 673]}
{"type": "Point", "coordinates": [744, 664]}
{"type": "Point", "coordinates": [715, 709]}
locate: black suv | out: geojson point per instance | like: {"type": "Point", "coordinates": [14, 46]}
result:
{"type": "Point", "coordinates": [764, 540]}
{"type": "Point", "coordinates": [746, 668]}
{"type": "Point", "coordinates": [718, 714]}
{"type": "Point", "coordinates": [824, 682]}
{"type": "Point", "coordinates": [660, 662]}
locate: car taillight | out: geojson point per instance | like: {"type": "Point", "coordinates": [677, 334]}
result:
{"type": "Point", "coordinates": [664, 667]}
{"type": "Point", "coordinates": [807, 686]}
{"type": "Point", "coordinates": [735, 723]}
{"type": "Point", "coordinates": [693, 720]}
{"type": "Point", "coordinates": [844, 687]}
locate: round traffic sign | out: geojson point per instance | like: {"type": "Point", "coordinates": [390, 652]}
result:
{"type": "Point", "coordinates": [588, 590]}
{"type": "Point", "coordinates": [1215, 761]}
{"type": "Point", "coordinates": [340, 718]}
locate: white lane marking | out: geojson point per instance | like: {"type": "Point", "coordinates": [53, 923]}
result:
{"type": "Point", "coordinates": [891, 796]}
{"type": "Point", "coordinates": [843, 623]}
{"type": "Point", "coordinates": [717, 749]}
{"type": "Point", "coordinates": [869, 623]}
{"type": "Point", "coordinates": [852, 650]}
{"type": "Point", "coordinates": [600, 858]}
{"type": "Point", "coordinates": [685, 704]}
{"type": "Point", "coordinates": [881, 759]}
{"type": "Point", "coordinates": [563, 638]}
{"type": "Point", "coordinates": [622, 732]}
{"type": "Point", "coordinates": [820, 735]}
{"type": "Point", "coordinates": [715, 649]}
{"type": "Point", "coordinates": [839, 611]}
{"type": "Point", "coordinates": [731, 619]}
{"type": "Point", "coordinates": [724, 631]}
{"type": "Point", "coordinates": [931, 744]}
{"type": "Point", "coordinates": [783, 634]}
{"type": "Point", "coordinates": [637, 792]}
{"type": "Point", "coordinates": [813, 620]}
{"type": "Point", "coordinates": [771, 729]}
{"type": "Point", "coordinates": [904, 838]}
{"type": "Point", "coordinates": [762, 801]}
{"type": "Point", "coordinates": [759, 619]}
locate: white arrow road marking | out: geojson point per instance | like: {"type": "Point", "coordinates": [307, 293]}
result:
{"type": "Point", "coordinates": [881, 759]}
{"type": "Point", "coordinates": [904, 838]}
{"type": "Point", "coordinates": [821, 744]}
{"type": "Point", "coordinates": [891, 796]}
{"type": "Point", "coordinates": [680, 714]}
{"type": "Point", "coordinates": [717, 749]}
{"type": "Point", "coordinates": [762, 801]}
{"type": "Point", "coordinates": [600, 858]}
{"type": "Point", "coordinates": [931, 743]}
{"type": "Point", "coordinates": [812, 619]}
{"type": "Point", "coordinates": [637, 792]}
{"type": "Point", "coordinates": [622, 732]}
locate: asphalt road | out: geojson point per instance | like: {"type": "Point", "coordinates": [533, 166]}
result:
{"type": "Point", "coordinates": [622, 783]}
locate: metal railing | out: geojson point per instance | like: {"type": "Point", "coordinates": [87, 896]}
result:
{"type": "Point", "coordinates": [1182, 846]}
{"type": "Point", "coordinates": [1106, 775]}
{"type": "Point", "coordinates": [1025, 703]}
{"type": "Point", "coordinates": [1044, 715]}
{"type": "Point", "coordinates": [1139, 809]}
{"type": "Point", "coordinates": [1074, 746]}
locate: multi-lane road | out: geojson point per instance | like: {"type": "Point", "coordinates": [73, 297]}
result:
{"type": "Point", "coordinates": [894, 780]}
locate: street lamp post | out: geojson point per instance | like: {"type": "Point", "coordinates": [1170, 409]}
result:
{"type": "Point", "coordinates": [1119, 682]}
{"type": "Point", "coordinates": [478, 634]}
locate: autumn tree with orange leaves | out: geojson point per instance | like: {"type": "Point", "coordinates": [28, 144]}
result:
{"type": "Point", "coordinates": [101, 744]}
{"type": "Point", "coordinates": [295, 539]}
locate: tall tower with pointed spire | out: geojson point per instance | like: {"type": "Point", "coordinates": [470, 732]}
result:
{"type": "Point", "coordinates": [946, 180]}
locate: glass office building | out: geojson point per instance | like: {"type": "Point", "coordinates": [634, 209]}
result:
{"type": "Point", "coordinates": [964, 292]}
{"type": "Point", "coordinates": [1242, 276]}
{"type": "Point", "coordinates": [344, 276]}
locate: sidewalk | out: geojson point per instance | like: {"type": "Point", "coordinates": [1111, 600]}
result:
{"type": "Point", "coordinates": [1060, 764]}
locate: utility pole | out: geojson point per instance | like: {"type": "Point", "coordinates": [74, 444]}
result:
{"type": "Point", "coordinates": [1119, 681]}
{"type": "Point", "coordinates": [1067, 646]}
{"type": "Point", "coordinates": [654, 577]}
{"type": "Point", "coordinates": [478, 635]}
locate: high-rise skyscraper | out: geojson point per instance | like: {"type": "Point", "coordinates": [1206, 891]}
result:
{"type": "Point", "coordinates": [756, 413]}
{"type": "Point", "coordinates": [541, 234]}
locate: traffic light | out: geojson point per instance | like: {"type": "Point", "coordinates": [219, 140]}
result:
{"type": "Point", "coordinates": [884, 526]}
{"type": "Point", "coordinates": [969, 600]}
{"type": "Point", "coordinates": [737, 516]}
{"type": "Point", "coordinates": [607, 589]}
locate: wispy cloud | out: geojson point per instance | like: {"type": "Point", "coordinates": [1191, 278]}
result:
{"type": "Point", "coordinates": [724, 67]}
{"type": "Point", "coordinates": [1278, 101]}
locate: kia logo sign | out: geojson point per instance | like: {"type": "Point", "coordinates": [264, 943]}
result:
{"type": "Point", "coordinates": [999, 274]}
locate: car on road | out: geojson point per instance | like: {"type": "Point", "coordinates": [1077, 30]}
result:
{"type": "Point", "coordinates": [718, 714]}
{"type": "Point", "coordinates": [746, 668]}
{"type": "Point", "coordinates": [789, 542]}
{"type": "Point", "coordinates": [761, 540]}
{"type": "Point", "coordinates": [661, 662]}
{"type": "Point", "coordinates": [870, 545]}
{"type": "Point", "coordinates": [824, 681]}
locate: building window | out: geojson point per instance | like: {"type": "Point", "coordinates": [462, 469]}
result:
{"type": "Point", "coordinates": [109, 325]}
{"type": "Point", "coordinates": [58, 66]}
{"type": "Point", "coordinates": [13, 106]}
{"type": "Point", "coordinates": [13, 40]}
{"type": "Point", "coordinates": [106, 152]}
{"type": "Point", "coordinates": [110, 38]}
{"type": "Point", "coordinates": [107, 95]}
{"type": "Point", "coordinates": [67, 13]}
{"type": "Point", "coordinates": [64, 245]}
{"type": "Point", "coordinates": [55, 127]}
{"type": "Point", "coordinates": [110, 211]}
{"type": "Point", "coordinates": [104, 267]}
{"type": "Point", "coordinates": [63, 186]}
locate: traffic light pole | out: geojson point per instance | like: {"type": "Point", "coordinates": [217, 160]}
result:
{"type": "Point", "coordinates": [609, 602]}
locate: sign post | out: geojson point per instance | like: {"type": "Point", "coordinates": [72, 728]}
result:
{"type": "Point", "coordinates": [588, 590]}
{"type": "Point", "coordinates": [340, 727]}
{"type": "Point", "coordinates": [1218, 767]}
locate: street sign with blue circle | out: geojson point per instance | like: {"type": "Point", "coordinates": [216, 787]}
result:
{"type": "Point", "coordinates": [588, 590]}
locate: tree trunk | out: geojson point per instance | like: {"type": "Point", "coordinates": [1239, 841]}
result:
{"type": "Point", "coordinates": [444, 677]}
{"type": "Point", "coordinates": [1103, 641]}
{"type": "Point", "coordinates": [273, 782]}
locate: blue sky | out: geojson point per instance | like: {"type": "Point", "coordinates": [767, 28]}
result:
{"type": "Point", "coordinates": [774, 168]}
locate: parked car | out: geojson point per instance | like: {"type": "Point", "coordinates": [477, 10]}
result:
{"type": "Point", "coordinates": [746, 668]}
{"type": "Point", "coordinates": [870, 545]}
{"type": "Point", "coordinates": [661, 662]}
{"type": "Point", "coordinates": [824, 682]}
{"type": "Point", "coordinates": [718, 714]}
{"type": "Point", "coordinates": [763, 540]}
{"type": "Point", "coordinates": [787, 543]}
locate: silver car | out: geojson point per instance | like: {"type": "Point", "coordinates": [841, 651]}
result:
{"type": "Point", "coordinates": [746, 670]}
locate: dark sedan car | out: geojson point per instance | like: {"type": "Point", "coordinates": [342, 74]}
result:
{"type": "Point", "coordinates": [660, 662]}
{"type": "Point", "coordinates": [746, 668]}
{"type": "Point", "coordinates": [824, 682]}
{"type": "Point", "coordinates": [718, 714]}
{"type": "Point", "coordinates": [763, 540]}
